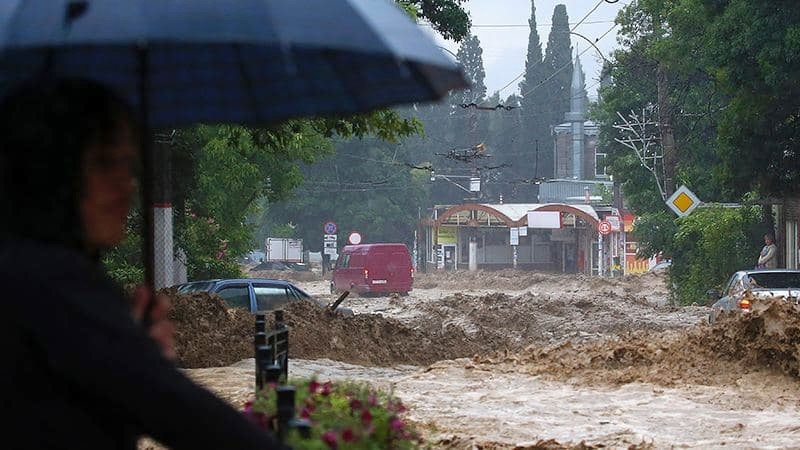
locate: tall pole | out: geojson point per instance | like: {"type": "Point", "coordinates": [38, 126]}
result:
{"type": "Point", "coordinates": [665, 125]}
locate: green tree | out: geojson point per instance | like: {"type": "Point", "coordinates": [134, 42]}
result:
{"type": "Point", "coordinates": [709, 245]}
{"type": "Point", "coordinates": [503, 140]}
{"type": "Point", "coordinates": [557, 87]}
{"type": "Point", "coordinates": [751, 50]}
{"type": "Point", "coordinates": [535, 127]}
{"type": "Point", "coordinates": [364, 187]}
{"type": "Point", "coordinates": [652, 74]}
{"type": "Point", "coordinates": [648, 51]}
{"type": "Point", "coordinates": [447, 17]}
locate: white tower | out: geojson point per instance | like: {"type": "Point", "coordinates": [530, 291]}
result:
{"type": "Point", "coordinates": [576, 116]}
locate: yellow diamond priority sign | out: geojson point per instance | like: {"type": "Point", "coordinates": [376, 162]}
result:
{"type": "Point", "coordinates": [683, 201]}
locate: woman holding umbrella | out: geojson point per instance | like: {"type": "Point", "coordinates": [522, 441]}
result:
{"type": "Point", "coordinates": [83, 368]}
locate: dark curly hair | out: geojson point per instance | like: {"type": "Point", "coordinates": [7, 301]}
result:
{"type": "Point", "coordinates": [45, 128]}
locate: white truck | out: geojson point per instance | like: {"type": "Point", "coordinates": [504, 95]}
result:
{"type": "Point", "coordinates": [283, 250]}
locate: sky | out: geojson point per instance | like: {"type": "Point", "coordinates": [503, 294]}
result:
{"type": "Point", "coordinates": [502, 28]}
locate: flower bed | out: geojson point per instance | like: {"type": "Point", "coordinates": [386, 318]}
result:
{"type": "Point", "coordinates": [340, 416]}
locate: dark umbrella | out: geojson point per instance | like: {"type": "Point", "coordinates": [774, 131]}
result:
{"type": "Point", "coordinates": [236, 61]}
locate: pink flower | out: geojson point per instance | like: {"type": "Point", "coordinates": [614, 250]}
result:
{"type": "Point", "coordinates": [396, 407]}
{"type": "Point", "coordinates": [348, 435]}
{"type": "Point", "coordinates": [366, 417]}
{"type": "Point", "coordinates": [326, 389]}
{"type": "Point", "coordinates": [306, 412]}
{"type": "Point", "coordinates": [313, 386]}
{"type": "Point", "coordinates": [329, 437]}
{"type": "Point", "coordinates": [260, 419]}
{"type": "Point", "coordinates": [396, 424]}
{"type": "Point", "coordinates": [372, 400]}
{"type": "Point", "coordinates": [355, 404]}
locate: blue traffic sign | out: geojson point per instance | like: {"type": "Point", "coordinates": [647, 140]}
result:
{"type": "Point", "coordinates": [330, 228]}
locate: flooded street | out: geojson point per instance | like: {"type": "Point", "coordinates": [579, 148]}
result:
{"type": "Point", "coordinates": [546, 361]}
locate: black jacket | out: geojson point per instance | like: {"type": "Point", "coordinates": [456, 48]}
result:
{"type": "Point", "coordinates": [79, 373]}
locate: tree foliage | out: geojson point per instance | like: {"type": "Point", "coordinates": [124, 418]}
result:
{"type": "Point", "coordinates": [535, 127]}
{"type": "Point", "coordinates": [709, 245]}
{"type": "Point", "coordinates": [558, 63]}
{"type": "Point", "coordinates": [752, 51]}
{"type": "Point", "coordinates": [693, 102]}
{"type": "Point", "coordinates": [448, 17]}
{"type": "Point", "coordinates": [728, 67]}
{"type": "Point", "coordinates": [364, 187]}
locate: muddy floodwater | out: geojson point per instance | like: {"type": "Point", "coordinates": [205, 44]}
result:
{"type": "Point", "coordinates": [520, 360]}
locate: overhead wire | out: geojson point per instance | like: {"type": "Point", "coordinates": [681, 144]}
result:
{"type": "Point", "coordinates": [573, 29]}
{"type": "Point", "coordinates": [565, 65]}
{"type": "Point", "coordinates": [382, 185]}
{"type": "Point", "coordinates": [587, 15]}
{"type": "Point", "coordinates": [520, 25]}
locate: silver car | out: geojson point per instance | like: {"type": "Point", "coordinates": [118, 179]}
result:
{"type": "Point", "coordinates": [746, 286]}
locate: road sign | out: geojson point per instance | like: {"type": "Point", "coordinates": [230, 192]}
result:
{"type": "Point", "coordinates": [354, 238]}
{"type": "Point", "coordinates": [604, 227]}
{"type": "Point", "coordinates": [614, 221]}
{"type": "Point", "coordinates": [330, 228]}
{"type": "Point", "coordinates": [329, 244]}
{"type": "Point", "coordinates": [683, 201]}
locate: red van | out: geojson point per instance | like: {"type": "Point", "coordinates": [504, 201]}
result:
{"type": "Point", "coordinates": [373, 268]}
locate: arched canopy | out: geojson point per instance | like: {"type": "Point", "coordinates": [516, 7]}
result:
{"type": "Point", "coordinates": [585, 212]}
{"type": "Point", "coordinates": [508, 214]}
{"type": "Point", "coordinates": [474, 214]}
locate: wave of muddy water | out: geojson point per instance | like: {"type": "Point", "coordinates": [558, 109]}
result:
{"type": "Point", "coordinates": [514, 360]}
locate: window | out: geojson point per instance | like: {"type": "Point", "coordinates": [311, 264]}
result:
{"type": "Point", "coordinates": [269, 297]}
{"type": "Point", "coordinates": [198, 286]}
{"type": "Point", "coordinates": [343, 261]}
{"type": "Point", "coordinates": [775, 280]}
{"type": "Point", "coordinates": [236, 296]}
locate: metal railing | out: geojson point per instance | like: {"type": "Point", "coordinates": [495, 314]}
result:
{"type": "Point", "coordinates": [272, 369]}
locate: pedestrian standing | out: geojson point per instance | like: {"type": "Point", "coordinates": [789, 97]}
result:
{"type": "Point", "coordinates": [767, 259]}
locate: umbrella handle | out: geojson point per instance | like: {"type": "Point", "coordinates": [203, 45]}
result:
{"type": "Point", "coordinates": [147, 321]}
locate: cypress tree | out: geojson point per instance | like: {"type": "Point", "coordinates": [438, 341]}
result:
{"type": "Point", "coordinates": [534, 121]}
{"type": "Point", "coordinates": [557, 89]}
{"type": "Point", "coordinates": [469, 127]}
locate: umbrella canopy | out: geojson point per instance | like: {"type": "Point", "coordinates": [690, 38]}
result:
{"type": "Point", "coordinates": [239, 61]}
{"type": "Point", "coordinates": [182, 62]}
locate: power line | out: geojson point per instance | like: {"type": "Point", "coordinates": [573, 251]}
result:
{"type": "Point", "coordinates": [560, 69]}
{"type": "Point", "coordinates": [524, 25]}
{"type": "Point", "coordinates": [519, 25]}
{"type": "Point", "coordinates": [588, 14]}
{"type": "Point", "coordinates": [565, 65]}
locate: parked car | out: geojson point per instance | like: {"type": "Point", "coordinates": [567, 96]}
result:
{"type": "Point", "coordinates": [662, 266]}
{"type": "Point", "coordinates": [299, 267]}
{"type": "Point", "coordinates": [746, 286]}
{"type": "Point", "coordinates": [254, 294]}
{"type": "Point", "coordinates": [373, 268]}
{"type": "Point", "coordinates": [272, 265]}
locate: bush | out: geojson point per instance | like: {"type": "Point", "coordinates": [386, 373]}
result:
{"type": "Point", "coordinates": [711, 244]}
{"type": "Point", "coordinates": [347, 415]}
{"type": "Point", "coordinates": [206, 268]}
{"type": "Point", "coordinates": [124, 262]}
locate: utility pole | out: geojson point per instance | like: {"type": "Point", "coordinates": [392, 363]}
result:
{"type": "Point", "coordinates": [665, 125]}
